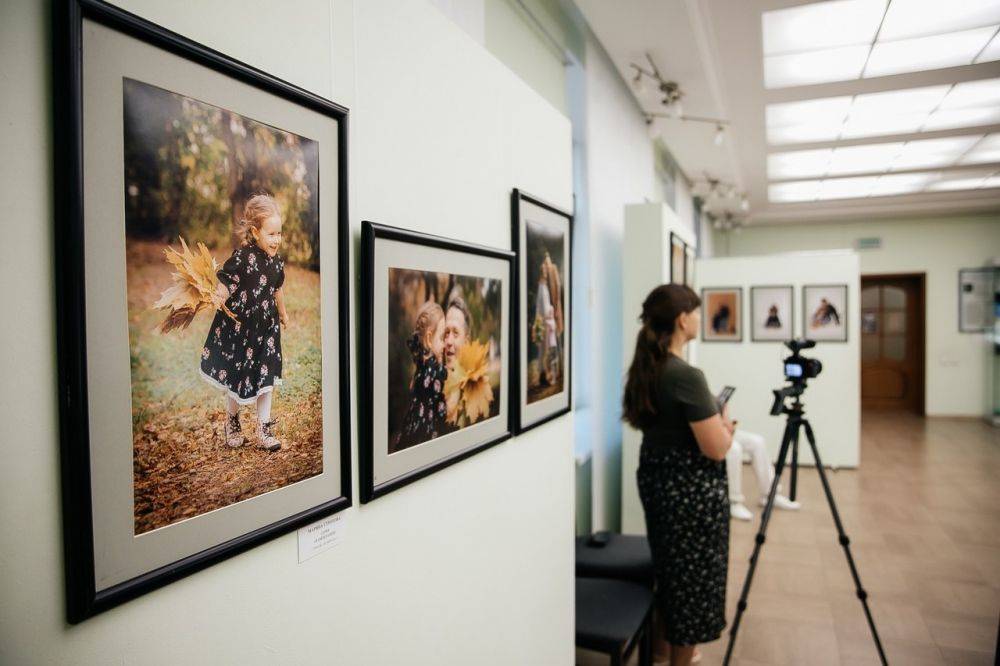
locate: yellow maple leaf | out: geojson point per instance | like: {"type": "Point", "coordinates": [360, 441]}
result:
{"type": "Point", "coordinates": [193, 289]}
{"type": "Point", "coordinates": [467, 387]}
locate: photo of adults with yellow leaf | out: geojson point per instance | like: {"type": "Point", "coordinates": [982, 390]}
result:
{"type": "Point", "coordinates": [223, 281]}
{"type": "Point", "coordinates": [443, 354]}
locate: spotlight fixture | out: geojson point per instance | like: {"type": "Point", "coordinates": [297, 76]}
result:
{"type": "Point", "coordinates": [727, 222]}
{"type": "Point", "coordinates": [670, 98]}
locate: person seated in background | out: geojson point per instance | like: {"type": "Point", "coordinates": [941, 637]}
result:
{"type": "Point", "coordinates": [754, 445]}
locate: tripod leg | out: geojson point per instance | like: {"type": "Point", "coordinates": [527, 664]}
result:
{"type": "Point", "coordinates": [844, 540]}
{"type": "Point", "coordinates": [794, 471]}
{"type": "Point", "coordinates": [791, 431]}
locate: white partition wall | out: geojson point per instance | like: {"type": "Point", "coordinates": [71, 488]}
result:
{"type": "Point", "coordinates": [645, 264]}
{"type": "Point", "coordinates": [471, 565]}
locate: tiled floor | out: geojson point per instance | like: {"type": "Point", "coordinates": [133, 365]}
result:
{"type": "Point", "coordinates": [923, 514]}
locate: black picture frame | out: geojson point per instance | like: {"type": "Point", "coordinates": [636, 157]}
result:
{"type": "Point", "coordinates": [705, 315]}
{"type": "Point", "coordinates": [519, 344]}
{"type": "Point", "coordinates": [963, 327]}
{"type": "Point", "coordinates": [678, 242]}
{"type": "Point", "coordinates": [845, 315]}
{"type": "Point", "coordinates": [371, 232]}
{"type": "Point", "coordinates": [83, 600]}
{"type": "Point", "coordinates": [753, 312]}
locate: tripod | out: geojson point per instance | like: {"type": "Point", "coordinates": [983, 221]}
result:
{"type": "Point", "coordinates": [797, 422]}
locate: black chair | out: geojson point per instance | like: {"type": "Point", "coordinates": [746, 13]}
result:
{"type": "Point", "coordinates": [622, 557]}
{"type": "Point", "coordinates": [613, 617]}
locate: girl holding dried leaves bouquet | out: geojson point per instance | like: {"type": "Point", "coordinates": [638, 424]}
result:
{"type": "Point", "coordinates": [242, 354]}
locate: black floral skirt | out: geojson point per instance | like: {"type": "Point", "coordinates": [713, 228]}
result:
{"type": "Point", "coordinates": [685, 497]}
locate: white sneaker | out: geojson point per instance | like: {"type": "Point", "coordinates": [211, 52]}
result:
{"type": "Point", "coordinates": [782, 502]}
{"type": "Point", "coordinates": [739, 511]}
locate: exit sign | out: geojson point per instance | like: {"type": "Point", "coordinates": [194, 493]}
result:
{"type": "Point", "coordinates": [868, 243]}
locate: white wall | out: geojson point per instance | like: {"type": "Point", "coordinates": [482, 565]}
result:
{"type": "Point", "coordinates": [620, 171]}
{"type": "Point", "coordinates": [471, 565]}
{"type": "Point", "coordinates": [957, 364]}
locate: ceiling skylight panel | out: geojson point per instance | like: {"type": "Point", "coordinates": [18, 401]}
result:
{"type": "Point", "coordinates": [917, 18]}
{"type": "Point", "coordinates": [910, 100]}
{"type": "Point", "coordinates": [930, 153]}
{"type": "Point", "coordinates": [968, 94]}
{"type": "Point", "coordinates": [902, 183]}
{"type": "Point", "coordinates": [924, 53]}
{"type": "Point", "coordinates": [847, 188]}
{"type": "Point", "coordinates": [798, 163]}
{"type": "Point", "coordinates": [802, 190]}
{"type": "Point", "coordinates": [882, 125]}
{"type": "Point", "coordinates": [992, 181]}
{"type": "Point", "coordinates": [802, 69]}
{"type": "Point", "coordinates": [821, 25]}
{"type": "Point", "coordinates": [984, 152]}
{"type": "Point", "coordinates": [958, 118]}
{"type": "Point", "coordinates": [871, 158]}
{"type": "Point", "coordinates": [803, 133]}
{"type": "Point", "coordinates": [991, 52]}
{"type": "Point", "coordinates": [825, 109]}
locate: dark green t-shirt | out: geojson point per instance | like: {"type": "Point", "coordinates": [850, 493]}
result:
{"type": "Point", "coordinates": [682, 397]}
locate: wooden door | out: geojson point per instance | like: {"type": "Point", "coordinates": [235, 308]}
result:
{"type": "Point", "coordinates": [892, 342]}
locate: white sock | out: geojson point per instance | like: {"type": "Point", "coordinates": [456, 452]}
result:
{"type": "Point", "coordinates": [264, 407]}
{"type": "Point", "coordinates": [232, 407]}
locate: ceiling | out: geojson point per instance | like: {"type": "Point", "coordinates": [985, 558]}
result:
{"type": "Point", "coordinates": [827, 137]}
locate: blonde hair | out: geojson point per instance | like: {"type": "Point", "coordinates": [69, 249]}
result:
{"type": "Point", "coordinates": [428, 316]}
{"type": "Point", "coordinates": [259, 207]}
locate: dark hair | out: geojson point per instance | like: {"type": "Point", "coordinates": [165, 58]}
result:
{"type": "Point", "coordinates": [659, 316]}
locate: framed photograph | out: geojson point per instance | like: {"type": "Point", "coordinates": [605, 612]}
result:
{"type": "Point", "coordinates": [772, 314]}
{"type": "Point", "coordinates": [689, 266]}
{"type": "Point", "coordinates": [542, 372]}
{"type": "Point", "coordinates": [436, 341]}
{"type": "Point", "coordinates": [721, 314]}
{"type": "Point", "coordinates": [976, 299]}
{"type": "Point", "coordinates": [202, 286]}
{"type": "Point", "coordinates": [677, 255]}
{"type": "Point", "coordinates": [824, 312]}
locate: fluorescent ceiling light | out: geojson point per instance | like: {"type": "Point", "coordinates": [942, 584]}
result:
{"type": "Point", "coordinates": [923, 53]}
{"type": "Point", "coordinates": [821, 25]}
{"type": "Point", "coordinates": [801, 190]}
{"type": "Point", "coordinates": [916, 18]}
{"type": "Point", "coordinates": [803, 69]}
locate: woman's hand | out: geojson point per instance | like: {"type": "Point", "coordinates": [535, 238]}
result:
{"type": "Point", "coordinates": [283, 318]}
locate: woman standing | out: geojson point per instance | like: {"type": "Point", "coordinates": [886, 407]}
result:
{"type": "Point", "coordinates": [682, 473]}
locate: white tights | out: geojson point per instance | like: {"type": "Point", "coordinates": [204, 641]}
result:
{"type": "Point", "coordinates": [263, 406]}
{"type": "Point", "coordinates": [754, 445]}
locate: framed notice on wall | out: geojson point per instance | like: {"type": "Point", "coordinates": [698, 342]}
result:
{"type": "Point", "coordinates": [976, 295]}
{"type": "Point", "coordinates": [203, 305]}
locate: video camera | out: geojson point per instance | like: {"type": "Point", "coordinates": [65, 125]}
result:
{"type": "Point", "coordinates": [798, 369]}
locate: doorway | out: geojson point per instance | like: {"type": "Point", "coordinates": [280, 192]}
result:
{"type": "Point", "coordinates": [892, 342]}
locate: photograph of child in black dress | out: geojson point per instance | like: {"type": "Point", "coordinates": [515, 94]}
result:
{"type": "Point", "coordinates": [223, 284]}
{"type": "Point", "coordinates": [443, 356]}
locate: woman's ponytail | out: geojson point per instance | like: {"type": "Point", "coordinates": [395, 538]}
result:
{"type": "Point", "coordinates": [652, 347]}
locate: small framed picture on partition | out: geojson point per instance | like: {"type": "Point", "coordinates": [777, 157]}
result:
{"type": "Point", "coordinates": [976, 299]}
{"type": "Point", "coordinates": [436, 341]}
{"type": "Point", "coordinates": [824, 312]}
{"type": "Point", "coordinates": [677, 256]}
{"type": "Point", "coordinates": [771, 313]}
{"type": "Point", "coordinates": [202, 286]}
{"type": "Point", "coordinates": [689, 266]}
{"type": "Point", "coordinates": [542, 372]}
{"type": "Point", "coordinates": [721, 314]}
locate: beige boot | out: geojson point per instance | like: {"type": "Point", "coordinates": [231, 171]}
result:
{"type": "Point", "coordinates": [265, 436]}
{"type": "Point", "coordinates": [234, 435]}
